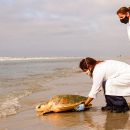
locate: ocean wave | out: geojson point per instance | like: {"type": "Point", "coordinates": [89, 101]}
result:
{"type": "Point", "coordinates": [2, 59]}
{"type": "Point", "coordinates": [9, 107]}
{"type": "Point", "coordinates": [11, 104]}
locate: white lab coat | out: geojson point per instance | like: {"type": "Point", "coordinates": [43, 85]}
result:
{"type": "Point", "coordinates": [128, 29]}
{"type": "Point", "coordinates": [117, 77]}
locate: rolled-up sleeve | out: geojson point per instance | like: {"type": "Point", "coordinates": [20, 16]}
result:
{"type": "Point", "coordinates": [98, 77]}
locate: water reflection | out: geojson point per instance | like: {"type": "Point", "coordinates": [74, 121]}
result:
{"type": "Point", "coordinates": [93, 120]}
{"type": "Point", "coordinates": [69, 119]}
{"type": "Point", "coordinates": [116, 121]}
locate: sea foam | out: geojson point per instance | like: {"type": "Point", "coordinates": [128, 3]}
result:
{"type": "Point", "coordinates": [9, 107]}
{"type": "Point", "coordinates": [34, 58]}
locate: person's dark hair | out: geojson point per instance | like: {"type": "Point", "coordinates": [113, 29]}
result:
{"type": "Point", "coordinates": [85, 63]}
{"type": "Point", "coordinates": [123, 10]}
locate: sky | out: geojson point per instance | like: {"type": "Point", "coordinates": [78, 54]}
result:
{"type": "Point", "coordinates": [62, 28]}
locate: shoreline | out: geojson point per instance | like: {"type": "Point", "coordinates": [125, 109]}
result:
{"type": "Point", "coordinates": [93, 119]}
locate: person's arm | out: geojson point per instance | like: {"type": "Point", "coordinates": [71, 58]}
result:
{"type": "Point", "coordinates": [88, 101]}
{"type": "Point", "coordinates": [98, 78]}
{"type": "Point", "coordinates": [96, 87]}
{"type": "Point", "coordinates": [81, 106]}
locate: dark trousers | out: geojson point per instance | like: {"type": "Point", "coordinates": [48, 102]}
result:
{"type": "Point", "coordinates": [115, 101]}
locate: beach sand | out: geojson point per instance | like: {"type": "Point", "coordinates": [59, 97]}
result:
{"type": "Point", "coordinates": [93, 119]}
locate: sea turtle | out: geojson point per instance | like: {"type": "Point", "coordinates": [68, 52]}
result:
{"type": "Point", "coordinates": [60, 103]}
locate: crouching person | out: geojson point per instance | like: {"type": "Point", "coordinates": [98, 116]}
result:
{"type": "Point", "coordinates": [111, 75]}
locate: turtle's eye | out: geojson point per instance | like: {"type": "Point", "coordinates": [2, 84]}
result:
{"type": "Point", "coordinates": [39, 106]}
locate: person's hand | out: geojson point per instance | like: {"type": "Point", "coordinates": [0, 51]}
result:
{"type": "Point", "coordinates": [80, 107]}
{"type": "Point", "coordinates": [88, 101]}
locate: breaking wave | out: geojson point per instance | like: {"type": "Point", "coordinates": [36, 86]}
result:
{"type": "Point", "coordinates": [11, 105]}
{"type": "Point", "coordinates": [2, 59]}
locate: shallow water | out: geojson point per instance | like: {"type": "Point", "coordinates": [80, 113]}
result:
{"type": "Point", "coordinates": [22, 77]}
{"type": "Point", "coordinates": [20, 94]}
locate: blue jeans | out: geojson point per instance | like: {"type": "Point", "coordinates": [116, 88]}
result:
{"type": "Point", "coordinates": [115, 101]}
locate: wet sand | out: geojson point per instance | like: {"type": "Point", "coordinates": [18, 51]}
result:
{"type": "Point", "coordinates": [93, 119]}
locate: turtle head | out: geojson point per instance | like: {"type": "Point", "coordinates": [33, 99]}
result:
{"type": "Point", "coordinates": [43, 108]}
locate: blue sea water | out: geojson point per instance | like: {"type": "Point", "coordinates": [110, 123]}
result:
{"type": "Point", "coordinates": [21, 77]}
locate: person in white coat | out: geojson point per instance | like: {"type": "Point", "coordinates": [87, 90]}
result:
{"type": "Point", "coordinates": [113, 77]}
{"type": "Point", "coordinates": [124, 16]}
